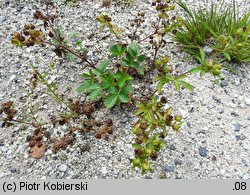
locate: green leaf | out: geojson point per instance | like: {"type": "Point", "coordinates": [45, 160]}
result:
{"type": "Point", "coordinates": [105, 85]}
{"type": "Point", "coordinates": [133, 50]}
{"type": "Point", "coordinates": [78, 42]}
{"type": "Point", "coordinates": [122, 78]}
{"type": "Point", "coordinates": [104, 65]}
{"type": "Point", "coordinates": [137, 146]}
{"type": "Point", "coordinates": [160, 86]}
{"type": "Point", "coordinates": [127, 89]}
{"type": "Point", "coordinates": [125, 62]}
{"type": "Point", "coordinates": [181, 77]}
{"type": "Point", "coordinates": [140, 70]}
{"type": "Point", "coordinates": [169, 77]}
{"type": "Point", "coordinates": [195, 70]}
{"type": "Point", "coordinates": [83, 86]}
{"type": "Point", "coordinates": [117, 50]}
{"type": "Point", "coordinates": [202, 54]}
{"type": "Point", "coordinates": [111, 100]}
{"type": "Point", "coordinates": [141, 58]}
{"type": "Point", "coordinates": [84, 75]}
{"type": "Point", "coordinates": [123, 97]}
{"type": "Point", "coordinates": [135, 65]}
{"type": "Point", "coordinates": [177, 85]}
{"type": "Point", "coordinates": [94, 86]}
{"type": "Point", "coordinates": [94, 94]}
{"type": "Point", "coordinates": [227, 56]}
{"type": "Point", "coordinates": [113, 90]}
{"type": "Point", "coordinates": [186, 85]}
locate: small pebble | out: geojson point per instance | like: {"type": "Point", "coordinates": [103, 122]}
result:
{"type": "Point", "coordinates": [63, 168]}
{"type": "Point", "coordinates": [203, 151]}
{"type": "Point", "coordinates": [169, 168]}
{"type": "Point", "coordinates": [224, 83]}
{"type": "Point", "coordinates": [178, 162]}
{"type": "Point", "coordinates": [173, 147]}
{"type": "Point", "coordinates": [188, 124]}
{"type": "Point", "coordinates": [237, 137]}
{"type": "Point", "coordinates": [221, 111]}
{"type": "Point", "coordinates": [13, 170]}
{"type": "Point", "coordinates": [236, 127]}
{"type": "Point", "coordinates": [234, 114]}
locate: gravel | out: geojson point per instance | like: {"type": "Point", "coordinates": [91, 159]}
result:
{"type": "Point", "coordinates": [237, 127]}
{"type": "Point", "coordinates": [224, 83]}
{"type": "Point", "coordinates": [169, 168]}
{"type": "Point", "coordinates": [203, 151]}
{"type": "Point", "coordinates": [207, 110]}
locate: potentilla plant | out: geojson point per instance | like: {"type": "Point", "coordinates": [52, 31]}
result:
{"type": "Point", "coordinates": [112, 80]}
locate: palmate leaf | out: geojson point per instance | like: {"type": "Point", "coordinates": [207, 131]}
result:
{"type": "Point", "coordinates": [127, 89]}
{"type": "Point", "coordinates": [82, 87]}
{"type": "Point", "coordinates": [94, 94]}
{"type": "Point", "coordinates": [111, 100]}
{"type": "Point", "coordinates": [122, 78]}
{"type": "Point", "coordinates": [113, 90]}
{"type": "Point", "coordinates": [141, 58]}
{"type": "Point", "coordinates": [125, 62]}
{"type": "Point", "coordinates": [104, 65]}
{"type": "Point", "coordinates": [123, 97]}
{"type": "Point", "coordinates": [133, 50]}
{"type": "Point", "coordinates": [117, 50]}
{"type": "Point", "coordinates": [94, 86]}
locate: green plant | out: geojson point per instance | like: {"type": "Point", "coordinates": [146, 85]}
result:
{"type": "Point", "coordinates": [112, 81]}
{"type": "Point", "coordinates": [152, 117]}
{"type": "Point", "coordinates": [106, 22]}
{"type": "Point", "coordinates": [132, 60]}
{"type": "Point", "coordinates": [220, 28]}
{"type": "Point", "coordinates": [114, 88]}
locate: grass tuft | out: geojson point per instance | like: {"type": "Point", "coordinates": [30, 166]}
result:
{"type": "Point", "coordinates": [220, 28]}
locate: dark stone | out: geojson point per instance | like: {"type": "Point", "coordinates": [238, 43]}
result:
{"type": "Point", "coordinates": [18, 65]}
{"type": "Point", "coordinates": [237, 137]}
{"type": "Point", "coordinates": [178, 162]}
{"type": "Point", "coordinates": [173, 147]}
{"type": "Point", "coordinates": [169, 168]}
{"type": "Point", "coordinates": [13, 170]}
{"type": "Point", "coordinates": [224, 83]}
{"type": "Point", "coordinates": [79, 61]}
{"type": "Point", "coordinates": [234, 114]}
{"type": "Point", "coordinates": [20, 8]}
{"type": "Point", "coordinates": [148, 177]}
{"type": "Point", "coordinates": [189, 124]}
{"type": "Point", "coordinates": [28, 138]}
{"type": "Point", "coordinates": [54, 157]}
{"type": "Point", "coordinates": [112, 147]}
{"type": "Point", "coordinates": [191, 110]}
{"type": "Point", "coordinates": [248, 118]}
{"type": "Point", "coordinates": [236, 127]}
{"type": "Point", "coordinates": [203, 151]}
